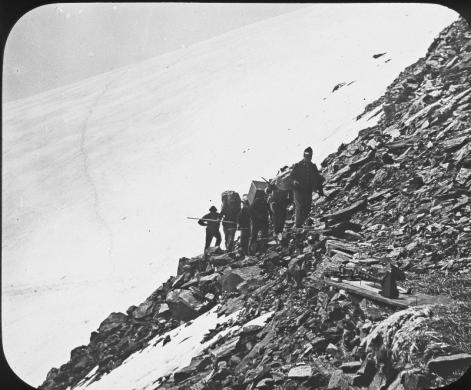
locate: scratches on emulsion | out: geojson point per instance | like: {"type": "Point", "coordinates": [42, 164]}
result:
{"type": "Point", "coordinates": [86, 165]}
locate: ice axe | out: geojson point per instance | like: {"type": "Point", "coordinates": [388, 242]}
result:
{"type": "Point", "coordinates": [211, 220]}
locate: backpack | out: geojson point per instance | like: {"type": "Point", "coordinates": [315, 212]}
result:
{"type": "Point", "coordinates": [278, 195]}
{"type": "Point", "coordinates": [231, 201]}
{"type": "Point", "coordinates": [283, 180]}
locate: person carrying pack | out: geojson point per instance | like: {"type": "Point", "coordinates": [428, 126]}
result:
{"type": "Point", "coordinates": [230, 209]}
{"type": "Point", "coordinates": [243, 224]}
{"type": "Point", "coordinates": [278, 200]}
{"type": "Point", "coordinates": [259, 211]}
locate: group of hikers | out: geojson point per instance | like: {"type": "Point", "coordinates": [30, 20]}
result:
{"type": "Point", "coordinates": [252, 218]}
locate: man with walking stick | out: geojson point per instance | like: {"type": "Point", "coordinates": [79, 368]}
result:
{"type": "Point", "coordinates": [212, 221]}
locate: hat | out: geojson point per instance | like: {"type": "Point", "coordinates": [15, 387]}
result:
{"type": "Point", "coordinates": [308, 151]}
{"type": "Point", "coordinates": [213, 208]}
{"type": "Point", "coordinates": [245, 199]}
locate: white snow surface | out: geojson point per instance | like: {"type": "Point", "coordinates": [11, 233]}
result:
{"type": "Point", "coordinates": [98, 176]}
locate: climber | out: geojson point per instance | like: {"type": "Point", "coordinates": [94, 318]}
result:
{"type": "Point", "coordinates": [229, 226]}
{"type": "Point", "coordinates": [212, 227]}
{"type": "Point", "coordinates": [305, 179]}
{"type": "Point", "coordinates": [278, 200]}
{"type": "Point", "coordinates": [243, 224]}
{"type": "Point", "coordinates": [230, 208]}
{"type": "Point", "coordinates": [259, 211]}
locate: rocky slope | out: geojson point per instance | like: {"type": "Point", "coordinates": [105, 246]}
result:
{"type": "Point", "coordinates": [399, 193]}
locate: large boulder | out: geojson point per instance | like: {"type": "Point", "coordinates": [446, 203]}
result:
{"type": "Point", "coordinates": [81, 359]}
{"type": "Point", "coordinates": [445, 365]}
{"type": "Point", "coordinates": [227, 349]}
{"type": "Point", "coordinates": [197, 363]}
{"type": "Point", "coordinates": [339, 381]}
{"type": "Point", "coordinates": [184, 304]}
{"type": "Point", "coordinates": [221, 260]}
{"type": "Point", "coordinates": [366, 373]}
{"type": "Point", "coordinates": [178, 282]}
{"type": "Point", "coordinates": [113, 321]}
{"type": "Point", "coordinates": [230, 279]}
{"type": "Point", "coordinates": [208, 279]}
{"type": "Point", "coordinates": [401, 330]}
{"type": "Point", "coordinates": [186, 264]}
{"type": "Point", "coordinates": [202, 281]}
{"type": "Point", "coordinates": [408, 380]}
{"type": "Point", "coordinates": [145, 309]}
{"type": "Point", "coordinates": [164, 311]}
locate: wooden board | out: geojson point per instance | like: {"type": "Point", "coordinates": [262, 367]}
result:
{"type": "Point", "coordinates": [404, 300]}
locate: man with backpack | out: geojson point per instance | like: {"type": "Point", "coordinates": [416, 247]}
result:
{"type": "Point", "coordinates": [243, 224]}
{"type": "Point", "coordinates": [212, 223]}
{"type": "Point", "coordinates": [305, 180]}
{"type": "Point", "coordinates": [278, 200]}
{"type": "Point", "coordinates": [259, 211]}
{"type": "Point", "coordinates": [229, 212]}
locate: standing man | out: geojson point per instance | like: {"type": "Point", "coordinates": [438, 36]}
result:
{"type": "Point", "coordinates": [212, 222]}
{"type": "Point", "coordinates": [243, 224]}
{"type": "Point", "coordinates": [229, 225]}
{"type": "Point", "coordinates": [259, 211]}
{"type": "Point", "coordinates": [306, 179]}
{"type": "Point", "coordinates": [229, 210]}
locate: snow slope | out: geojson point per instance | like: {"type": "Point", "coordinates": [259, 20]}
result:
{"type": "Point", "coordinates": [143, 369]}
{"type": "Point", "coordinates": [99, 175]}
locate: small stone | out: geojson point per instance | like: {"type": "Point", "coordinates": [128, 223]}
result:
{"type": "Point", "coordinates": [234, 360]}
{"type": "Point", "coordinates": [303, 371]}
{"type": "Point", "coordinates": [350, 366]}
{"type": "Point", "coordinates": [210, 297]}
{"type": "Point", "coordinates": [265, 383]}
{"type": "Point", "coordinates": [319, 343]}
{"type": "Point", "coordinates": [333, 350]}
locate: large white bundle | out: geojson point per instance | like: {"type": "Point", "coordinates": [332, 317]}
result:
{"type": "Point", "coordinates": [283, 180]}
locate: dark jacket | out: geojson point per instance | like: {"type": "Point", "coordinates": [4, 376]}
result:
{"type": "Point", "coordinates": [308, 176]}
{"type": "Point", "coordinates": [282, 197]}
{"type": "Point", "coordinates": [212, 227]}
{"type": "Point", "coordinates": [259, 211]}
{"type": "Point", "coordinates": [243, 219]}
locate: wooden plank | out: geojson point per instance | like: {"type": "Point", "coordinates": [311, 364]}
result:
{"type": "Point", "coordinates": [404, 300]}
{"type": "Point", "coordinates": [368, 294]}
